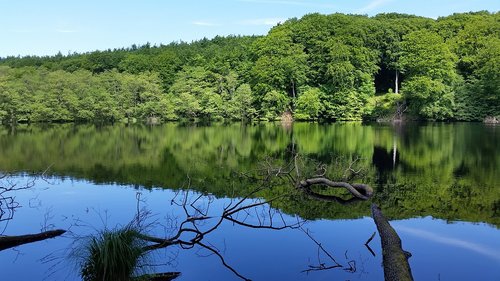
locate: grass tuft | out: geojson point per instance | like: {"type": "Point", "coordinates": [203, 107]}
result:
{"type": "Point", "coordinates": [112, 255]}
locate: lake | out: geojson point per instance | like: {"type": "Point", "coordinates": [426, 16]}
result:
{"type": "Point", "coordinates": [437, 183]}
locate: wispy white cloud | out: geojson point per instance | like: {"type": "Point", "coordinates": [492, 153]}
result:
{"type": "Point", "coordinates": [44, 30]}
{"type": "Point", "coordinates": [205, 23]}
{"type": "Point", "coordinates": [264, 21]}
{"type": "Point", "coordinates": [372, 6]}
{"type": "Point", "coordinates": [305, 3]}
{"type": "Point", "coordinates": [66, 30]}
{"type": "Point", "coordinates": [22, 30]}
{"type": "Point", "coordinates": [480, 249]}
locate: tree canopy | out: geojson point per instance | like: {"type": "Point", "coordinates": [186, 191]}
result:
{"type": "Point", "coordinates": [320, 67]}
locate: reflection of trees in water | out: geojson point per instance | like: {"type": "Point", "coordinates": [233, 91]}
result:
{"type": "Point", "coordinates": [199, 222]}
{"type": "Point", "coordinates": [8, 205]}
{"type": "Point", "coordinates": [445, 166]}
{"type": "Point", "coordinates": [120, 251]}
{"type": "Point", "coordinates": [200, 219]}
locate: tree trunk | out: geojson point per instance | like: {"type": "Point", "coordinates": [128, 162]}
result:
{"type": "Point", "coordinates": [396, 84]}
{"type": "Point", "coordinates": [395, 259]}
{"type": "Point", "coordinates": [7, 242]}
{"type": "Point", "coordinates": [394, 152]}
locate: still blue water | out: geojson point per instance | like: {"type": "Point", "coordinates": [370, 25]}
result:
{"type": "Point", "coordinates": [442, 201]}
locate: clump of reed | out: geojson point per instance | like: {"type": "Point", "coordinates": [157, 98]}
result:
{"type": "Point", "coordinates": [114, 255]}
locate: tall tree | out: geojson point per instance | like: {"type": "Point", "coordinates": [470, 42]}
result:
{"type": "Point", "coordinates": [429, 67]}
{"type": "Point", "coordinates": [281, 64]}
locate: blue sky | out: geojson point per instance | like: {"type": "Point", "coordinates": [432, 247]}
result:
{"type": "Point", "coordinates": [44, 27]}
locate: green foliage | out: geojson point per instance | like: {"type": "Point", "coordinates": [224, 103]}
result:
{"type": "Point", "coordinates": [240, 105]}
{"type": "Point", "coordinates": [384, 106]}
{"type": "Point", "coordinates": [350, 58]}
{"type": "Point", "coordinates": [470, 35]}
{"type": "Point", "coordinates": [282, 63]}
{"type": "Point", "coordinates": [425, 53]}
{"type": "Point", "coordinates": [430, 98]}
{"type": "Point", "coordinates": [166, 107]}
{"type": "Point", "coordinates": [488, 77]}
{"type": "Point", "coordinates": [212, 106]}
{"type": "Point", "coordinates": [274, 104]}
{"type": "Point", "coordinates": [112, 255]}
{"type": "Point", "coordinates": [308, 105]}
{"type": "Point", "coordinates": [429, 67]}
{"type": "Point", "coordinates": [345, 105]}
{"type": "Point", "coordinates": [38, 95]}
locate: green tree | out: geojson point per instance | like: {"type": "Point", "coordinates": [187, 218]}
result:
{"type": "Point", "coordinates": [488, 76]}
{"type": "Point", "coordinates": [350, 58]}
{"type": "Point", "coordinates": [281, 64]}
{"type": "Point", "coordinates": [187, 106]}
{"type": "Point", "coordinates": [429, 67]}
{"type": "Point", "coordinates": [308, 105]}
{"type": "Point", "coordinates": [240, 106]}
{"type": "Point", "coordinates": [167, 107]}
{"type": "Point", "coordinates": [136, 63]}
{"type": "Point", "coordinates": [274, 104]}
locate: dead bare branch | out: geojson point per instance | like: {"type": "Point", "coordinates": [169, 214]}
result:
{"type": "Point", "coordinates": [223, 261]}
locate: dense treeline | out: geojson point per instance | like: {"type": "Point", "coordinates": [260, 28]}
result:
{"type": "Point", "coordinates": [331, 67]}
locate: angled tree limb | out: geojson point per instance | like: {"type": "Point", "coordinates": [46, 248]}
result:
{"type": "Point", "coordinates": [395, 259]}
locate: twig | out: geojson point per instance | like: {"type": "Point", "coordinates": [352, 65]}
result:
{"type": "Point", "coordinates": [370, 239]}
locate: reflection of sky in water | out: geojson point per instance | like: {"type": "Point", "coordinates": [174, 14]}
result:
{"type": "Point", "coordinates": [451, 251]}
{"type": "Point", "coordinates": [487, 251]}
{"type": "Point", "coordinates": [458, 251]}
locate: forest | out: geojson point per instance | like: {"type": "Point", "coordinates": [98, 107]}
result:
{"type": "Point", "coordinates": [317, 68]}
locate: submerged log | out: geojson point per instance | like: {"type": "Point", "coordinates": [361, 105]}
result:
{"type": "Point", "coordinates": [361, 191]}
{"type": "Point", "coordinates": [395, 259]}
{"type": "Point", "coordinates": [7, 242]}
{"type": "Point", "coordinates": [167, 276]}
{"type": "Point", "coordinates": [331, 198]}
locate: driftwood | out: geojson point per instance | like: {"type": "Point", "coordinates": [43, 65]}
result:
{"type": "Point", "coordinates": [7, 242]}
{"type": "Point", "coordinates": [395, 259]}
{"type": "Point", "coordinates": [361, 191]}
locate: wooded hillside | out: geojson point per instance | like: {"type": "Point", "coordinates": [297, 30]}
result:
{"type": "Point", "coordinates": [329, 67]}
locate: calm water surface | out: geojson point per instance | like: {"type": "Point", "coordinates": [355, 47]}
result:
{"type": "Point", "coordinates": [437, 183]}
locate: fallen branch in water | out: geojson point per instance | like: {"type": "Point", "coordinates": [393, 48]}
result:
{"type": "Point", "coordinates": [7, 242]}
{"type": "Point", "coordinates": [361, 191]}
{"type": "Point", "coordinates": [167, 276]}
{"type": "Point", "coordinates": [331, 198]}
{"type": "Point", "coordinates": [291, 172]}
{"type": "Point", "coordinates": [394, 258]}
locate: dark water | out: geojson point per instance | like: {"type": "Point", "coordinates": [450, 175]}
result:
{"type": "Point", "coordinates": [437, 183]}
